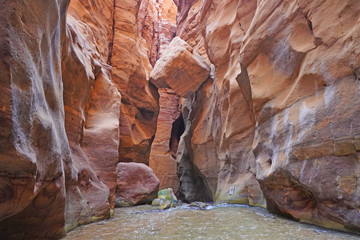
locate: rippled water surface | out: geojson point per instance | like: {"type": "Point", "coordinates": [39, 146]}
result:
{"type": "Point", "coordinates": [221, 222]}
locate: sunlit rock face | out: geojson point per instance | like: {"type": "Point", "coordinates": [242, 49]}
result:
{"type": "Point", "coordinates": [278, 117]}
{"type": "Point", "coordinates": [157, 23]}
{"type": "Point", "coordinates": [92, 113]}
{"type": "Point", "coordinates": [131, 69]}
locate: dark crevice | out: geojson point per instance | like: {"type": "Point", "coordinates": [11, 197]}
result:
{"type": "Point", "coordinates": [178, 128]}
{"type": "Point", "coordinates": [193, 186]}
{"type": "Point", "coordinates": [111, 44]}
{"type": "Point", "coordinates": [145, 114]}
{"type": "Point", "coordinates": [310, 25]}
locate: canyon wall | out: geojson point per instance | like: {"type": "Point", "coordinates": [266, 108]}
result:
{"type": "Point", "coordinates": [164, 147]}
{"type": "Point", "coordinates": [268, 90]}
{"type": "Point", "coordinates": [131, 68]}
{"type": "Point", "coordinates": [157, 22]}
{"type": "Point", "coordinates": [92, 113]}
{"type": "Point", "coordinates": [34, 145]}
{"type": "Point", "coordinates": [276, 124]}
{"type": "Point", "coordinates": [76, 101]}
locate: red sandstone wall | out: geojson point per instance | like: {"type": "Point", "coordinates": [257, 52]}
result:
{"type": "Point", "coordinates": [279, 116]}
{"type": "Point", "coordinates": [76, 101]}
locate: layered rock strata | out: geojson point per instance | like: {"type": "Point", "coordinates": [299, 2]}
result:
{"type": "Point", "coordinates": [92, 113]}
{"type": "Point", "coordinates": [157, 23]}
{"type": "Point", "coordinates": [285, 94]}
{"type": "Point", "coordinates": [274, 124]}
{"type": "Point", "coordinates": [164, 147]}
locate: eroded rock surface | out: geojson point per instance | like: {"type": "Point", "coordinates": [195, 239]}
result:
{"type": "Point", "coordinates": [33, 142]}
{"type": "Point", "coordinates": [157, 22]}
{"type": "Point", "coordinates": [180, 62]}
{"type": "Point", "coordinates": [274, 124]}
{"type": "Point", "coordinates": [61, 112]}
{"type": "Point", "coordinates": [170, 127]}
{"type": "Point", "coordinates": [92, 113]}
{"type": "Point", "coordinates": [131, 69]}
{"type": "Point", "coordinates": [136, 184]}
{"type": "Point", "coordinates": [285, 96]}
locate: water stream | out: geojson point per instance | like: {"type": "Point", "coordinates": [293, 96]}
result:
{"type": "Point", "coordinates": [220, 222]}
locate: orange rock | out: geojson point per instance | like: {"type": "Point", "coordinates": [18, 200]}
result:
{"type": "Point", "coordinates": [165, 144]}
{"type": "Point", "coordinates": [284, 96]}
{"type": "Point", "coordinates": [180, 68]}
{"type": "Point", "coordinates": [131, 68]}
{"type": "Point", "coordinates": [61, 112]}
{"type": "Point", "coordinates": [157, 23]}
{"type": "Point", "coordinates": [92, 113]}
{"type": "Point", "coordinates": [276, 120]}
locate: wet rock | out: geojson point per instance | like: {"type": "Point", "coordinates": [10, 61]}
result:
{"type": "Point", "coordinates": [157, 201]}
{"type": "Point", "coordinates": [199, 205]}
{"type": "Point", "coordinates": [165, 199]}
{"type": "Point", "coordinates": [168, 194]}
{"type": "Point", "coordinates": [136, 184]}
{"type": "Point", "coordinates": [166, 204]}
{"type": "Point", "coordinates": [121, 202]}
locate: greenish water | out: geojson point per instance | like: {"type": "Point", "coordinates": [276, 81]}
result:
{"type": "Point", "coordinates": [221, 222]}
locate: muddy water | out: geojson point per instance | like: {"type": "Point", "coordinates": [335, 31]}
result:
{"type": "Point", "coordinates": [220, 222]}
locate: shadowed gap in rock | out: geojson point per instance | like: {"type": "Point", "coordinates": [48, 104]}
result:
{"type": "Point", "coordinates": [178, 128]}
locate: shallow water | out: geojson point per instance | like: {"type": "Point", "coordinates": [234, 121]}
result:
{"type": "Point", "coordinates": [224, 221]}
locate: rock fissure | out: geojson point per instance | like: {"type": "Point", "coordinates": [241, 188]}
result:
{"type": "Point", "coordinates": [111, 43]}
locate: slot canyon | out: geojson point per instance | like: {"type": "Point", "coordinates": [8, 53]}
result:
{"type": "Point", "coordinates": [249, 102]}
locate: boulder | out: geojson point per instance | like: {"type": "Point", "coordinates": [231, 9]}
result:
{"type": "Point", "coordinates": [165, 199]}
{"type": "Point", "coordinates": [167, 194]}
{"type": "Point", "coordinates": [136, 184]}
{"type": "Point", "coordinates": [199, 205]}
{"type": "Point", "coordinates": [180, 68]}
